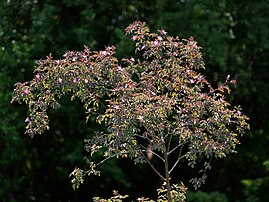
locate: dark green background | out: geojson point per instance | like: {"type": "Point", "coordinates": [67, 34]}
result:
{"type": "Point", "coordinates": [234, 35]}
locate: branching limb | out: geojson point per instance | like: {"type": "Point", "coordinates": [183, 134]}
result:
{"type": "Point", "coordinates": [178, 159]}
{"type": "Point", "coordinates": [174, 148]}
{"type": "Point", "coordinates": [153, 168]}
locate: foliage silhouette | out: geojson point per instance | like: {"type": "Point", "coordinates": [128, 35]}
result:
{"type": "Point", "coordinates": [156, 103]}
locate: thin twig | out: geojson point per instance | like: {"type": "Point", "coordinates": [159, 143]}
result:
{"type": "Point", "coordinates": [178, 159]}
{"type": "Point", "coordinates": [109, 157]}
{"type": "Point", "coordinates": [174, 149]}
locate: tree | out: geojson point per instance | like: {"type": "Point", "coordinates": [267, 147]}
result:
{"type": "Point", "coordinates": [156, 103]}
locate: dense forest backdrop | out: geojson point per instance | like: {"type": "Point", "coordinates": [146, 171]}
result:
{"type": "Point", "coordinates": [234, 35]}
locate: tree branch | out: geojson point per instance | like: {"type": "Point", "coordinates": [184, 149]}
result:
{"type": "Point", "coordinates": [109, 157]}
{"type": "Point", "coordinates": [178, 159]}
{"type": "Point", "coordinates": [174, 149]}
{"type": "Point", "coordinates": [153, 168]}
{"type": "Point", "coordinates": [169, 142]}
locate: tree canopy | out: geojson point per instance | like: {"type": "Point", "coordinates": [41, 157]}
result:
{"type": "Point", "coordinates": [234, 37]}
{"type": "Point", "coordinates": [159, 97]}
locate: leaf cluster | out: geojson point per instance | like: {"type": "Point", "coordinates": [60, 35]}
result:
{"type": "Point", "coordinates": [178, 193]}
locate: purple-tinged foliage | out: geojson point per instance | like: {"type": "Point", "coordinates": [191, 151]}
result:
{"type": "Point", "coordinates": [86, 75]}
{"type": "Point", "coordinates": [159, 97]}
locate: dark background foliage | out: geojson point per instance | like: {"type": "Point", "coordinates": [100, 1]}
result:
{"type": "Point", "coordinates": [235, 41]}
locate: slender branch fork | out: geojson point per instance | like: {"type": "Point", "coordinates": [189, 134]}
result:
{"type": "Point", "coordinates": [174, 149]}
{"type": "Point", "coordinates": [178, 159]}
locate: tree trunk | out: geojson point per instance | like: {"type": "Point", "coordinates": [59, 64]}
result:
{"type": "Point", "coordinates": [167, 176]}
